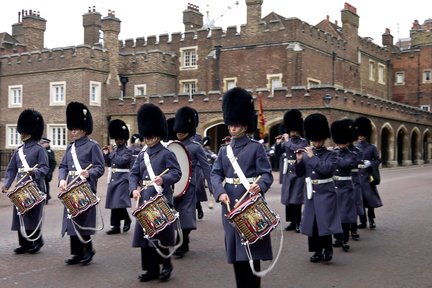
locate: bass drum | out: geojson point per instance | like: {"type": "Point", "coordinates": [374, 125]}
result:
{"type": "Point", "coordinates": [185, 163]}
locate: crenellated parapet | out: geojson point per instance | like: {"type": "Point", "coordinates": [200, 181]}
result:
{"type": "Point", "coordinates": [148, 62]}
{"type": "Point", "coordinates": [72, 57]}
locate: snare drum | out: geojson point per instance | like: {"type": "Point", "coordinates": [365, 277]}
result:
{"type": "Point", "coordinates": [26, 196]}
{"type": "Point", "coordinates": [78, 198]}
{"type": "Point", "coordinates": [154, 215]}
{"type": "Point", "coordinates": [253, 219]}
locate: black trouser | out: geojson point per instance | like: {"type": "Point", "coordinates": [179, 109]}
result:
{"type": "Point", "coordinates": [28, 243]}
{"type": "Point", "coordinates": [293, 213]}
{"type": "Point", "coordinates": [118, 214]}
{"type": "Point", "coordinates": [353, 227]}
{"type": "Point", "coordinates": [370, 215]}
{"type": "Point", "coordinates": [244, 276]}
{"type": "Point", "coordinates": [185, 245]}
{"type": "Point", "coordinates": [344, 236]}
{"type": "Point", "coordinates": [47, 191]}
{"type": "Point", "coordinates": [78, 248]}
{"type": "Point", "coordinates": [318, 243]}
{"type": "Point", "coordinates": [150, 260]}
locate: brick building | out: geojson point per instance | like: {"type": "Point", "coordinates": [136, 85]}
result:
{"type": "Point", "coordinates": [324, 68]}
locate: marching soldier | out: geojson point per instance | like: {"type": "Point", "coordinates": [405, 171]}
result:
{"type": "Point", "coordinates": [30, 161]}
{"type": "Point", "coordinates": [146, 181]}
{"type": "Point", "coordinates": [251, 161]}
{"type": "Point", "coordinates": [45, 142]}
{"type": "Point", "coordinates": [342, 134]}
{"type": "Point", "coordinates": [79, 154]}
{"type": "Point", "coordinates": [370, 157]}
{"type": "Point", "coordinates": [136, 146]}
{"type": "Point", "coordinates": [119, 160]}
{"type": "Point", "coordinates": [292, 186]}
{"type": "Point", "coordinates": [185, 129]}
{"type": "Point", "coordinates": [320, 215]}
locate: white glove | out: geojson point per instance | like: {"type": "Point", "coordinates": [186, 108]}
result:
{"type": "Point", "coordinates": [367, 163]}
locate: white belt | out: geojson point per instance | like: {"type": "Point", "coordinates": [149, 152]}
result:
{"type": "Point", "coordinates": [73, 173]}
{"type": "Point", "coordinates": [237, 181]}
{"type": "Point", "coordinates": [147, 183]}
{"type": "Point", "coordinates": [354, 170]}
{"type": "Point", "coordinates": [118, 170]}
{"type": "Point", "coordinates": [342, 178]}
{"type": "Point", "coordinates": [321, 181]}
{"type": "Point", "coordinates": [291, 161]}
{"type": "Point", "coordinates": [21, 170]}
{"type": "Point", "coordinates": [361, 166]}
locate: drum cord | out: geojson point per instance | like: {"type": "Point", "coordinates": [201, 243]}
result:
{"type": "Point", "coordinates": [249, 255]}
{"type": "Point", "coordinates": [22, 227]}
{"type": "Point", "coordinates": [180, 233]}
{"type": "Point", "coordinates": [74, 225]}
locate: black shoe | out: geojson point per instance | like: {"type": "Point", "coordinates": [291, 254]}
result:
{"type": "Point", "coordinates": [181, 251]}
{"type": "Point", "coordinates": [166, 273]}
{"type": "Point", "coordinates": [113, 230]}
{"type": "Point", "coordinates": [297, 228]}
{"type": "Point", "coordinates": [20, 250]}
{"type": "Point", "coordinates": [290, 227]}
{"type": "Point", "coordinates": [372, 224]}
{"type": "Point", "coordinates": [328, 255]}
{"type": "Point", "coordinates": [126, 226]}
{"type": "Point", "coordinates": [200, 214]}
{"type": "Point", "coordinates": [145, 277]}
{"type": "Point", "coordinates": [355, 236]}
{"type": "Point", "coordinates": [316, 257]}
{"type": "Point", "coordinates": [361, 225]}
{"type": "Point", "coordinates": [88, 256]}
{"type": "Point", "coordinates": [345, 247]}
{"type": "Point", "coordinates": [337, 243]}
{"type": "Point", "coordinates": [74, 260]}
{"type": "Point", "coordinates": [35, 248]}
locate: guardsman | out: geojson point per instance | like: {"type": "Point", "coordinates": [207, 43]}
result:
{"type": "Point", "coordinates": [320, 215]}
{"type": "Point", "coordinates": [79, 154]}
{"type": "Point", "coordinates": [22, 165]}
{"type": "Point", "coordinates": [146, 181]}
{"type": "Point", "coordinates": [119, 161]}
{"type": "Point", "coordinates": [342, 135]}
{"type": "Point", "coordinates": [251, 161]}
{"type": "Point", "coordinates": [135, 146]}
{"type": "Point", "coordinates": [45, 142]}
{"type": "Point", "coordinates": [185, 129]}
{"type": "Point", "coordinates": [292, 186]}
{"type": "Point", "coordinates": [371, 160]}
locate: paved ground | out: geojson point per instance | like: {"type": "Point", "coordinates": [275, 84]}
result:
{"type": "Point", "coordinates": [396, 254]}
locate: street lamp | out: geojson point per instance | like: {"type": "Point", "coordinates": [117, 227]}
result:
{"type": "Point", "coordinates": [327, 99]}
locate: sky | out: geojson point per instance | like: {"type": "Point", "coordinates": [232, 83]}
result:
{"type": "Point", "coordinates": [142, 18]}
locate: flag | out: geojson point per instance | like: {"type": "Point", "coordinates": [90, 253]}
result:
{"type": "Point", "coordinates": [261, 120]}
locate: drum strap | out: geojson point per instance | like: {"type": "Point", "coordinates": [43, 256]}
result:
{"type": "Point", "coordinates": [237, 169]}
{"type": "Point", "coordinates": [23, 160]}
{"type": "Point", "coordinates": [151, 172]}
{"type": "Point", "coordinates": [76, 162]}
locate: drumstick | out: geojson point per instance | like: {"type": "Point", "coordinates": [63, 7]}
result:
{"type": "Point", "coordinates": [22, 178]}
{"type": "Point", "coordinates": [247, 192]}
{"type": "Point", "coordinates": [137, 202]}
{"type": "Point", "coordinates": [76, 178]}
{"type": "Point", "coordinates": [228, 207]}
{"type": "Point", "coordinates": [160, 175]}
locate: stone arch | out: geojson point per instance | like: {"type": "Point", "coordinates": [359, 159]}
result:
{"type": "Point", "coordinates": [402, 146]}
{"type": "Point", "coordinates": [216, 130]}
{"type": "Point", "coordinates": [387, 146]}
{"type": "Point", "coordinates": [427, 146]}
{"type": "Point", "coordinates": [374, 135]}
{"type": "Point", "coordinates": [415, 147]}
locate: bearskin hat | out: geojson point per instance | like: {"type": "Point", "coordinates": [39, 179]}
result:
{"type": "Point", "coordinates": [238, 108]}
{"type": "Point", "coordinates": [342, 131]}
{"type": "Point", "coordinates": [185, 121]}
{"type": "Point", "coordinates": [293, 121]}
{"type": "Point", "coordinates": [171, 135]}
{"type": "Point", "coordinates": [316, 127]}
{"type": "Point", "coordinates": [135, 137]}
{"type": "Point", "coordinates": [151, 121]}
{"type": "Point", "coordinates": [118, 129]}
{"type": "Point", "coordinates": [364, 126]}
{"type": "Point", "coordinates": [78, 116]}
{"type": "Point", "coordinates": [31, 122]}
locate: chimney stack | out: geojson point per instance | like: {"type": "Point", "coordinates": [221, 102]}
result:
{"type": "Point", "coordinates": [30, 30]}
{"type": "Point", "coordinates": [92, 26]}
{"type": "Point", "coordinates": [192, 18]}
